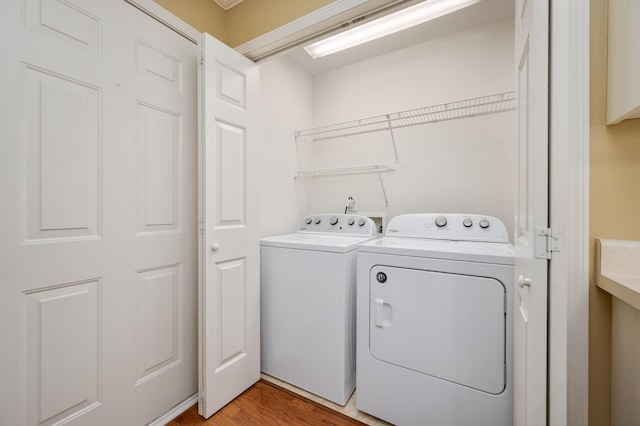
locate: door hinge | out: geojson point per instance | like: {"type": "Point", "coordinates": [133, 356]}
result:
{"type": "Point", "coordinates": [201, 57]}
{"type": "Point", "coordinates": [546, 243]}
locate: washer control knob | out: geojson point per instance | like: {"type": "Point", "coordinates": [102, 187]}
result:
{"type": "Point", "coordinates": [333, 220]}
{"type": "Point", "coordinates": [468, 223]}
{"type": "Point", "coordinates": [308, 221]}
{"type": "Point", "coordinates": [351, 221]}
{"type": "Point", "coordinates": [317, 221]}
{"type": "Point", "coordinates": [441, 221]}
{"type": "Point", "coordinates": [484, 223]}
{"type": "Point", "coordinates": [361, 222]}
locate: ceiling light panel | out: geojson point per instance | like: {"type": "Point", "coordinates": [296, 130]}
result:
{"type": "Point", "coordinates": [398, 21]}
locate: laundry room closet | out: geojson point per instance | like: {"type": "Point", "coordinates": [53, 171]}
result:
{"type": "Point", "coordinates": [457, 165]}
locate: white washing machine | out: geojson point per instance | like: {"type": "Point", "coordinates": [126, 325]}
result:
{"type": "Point", "coordinates": [308, 287]}
{"type": "Point", "coordinates": [435, 322]}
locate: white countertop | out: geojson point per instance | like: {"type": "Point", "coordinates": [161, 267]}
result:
{"type": "Point", "coordinates": [618, 269]}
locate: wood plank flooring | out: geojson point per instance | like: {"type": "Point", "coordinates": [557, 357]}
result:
{"type": "Point", "coordinates": [267, 404]}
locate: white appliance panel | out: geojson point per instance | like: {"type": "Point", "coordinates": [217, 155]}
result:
{"type": "Point", "coordinates": [308, 319]}
{"type": "Point", "coordinates": [435, 322]}
{"type": "Point", "coordinates": [308, 297]}
{"type": "Point", "coordinates": [445, 325]}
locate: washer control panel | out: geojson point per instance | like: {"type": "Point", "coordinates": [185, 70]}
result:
{"type": "Point", "coordinates": [455, 227]}
{"type": "Point", "coordinates": [342, 224]}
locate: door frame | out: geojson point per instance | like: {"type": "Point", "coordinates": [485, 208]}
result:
{"type": "Point", "coordinates": [569, 196]}
{"type": "Point", "coordinates": [568, 369]}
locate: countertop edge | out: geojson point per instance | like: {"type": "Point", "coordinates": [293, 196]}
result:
{"type": "Point", "coordinates": [619, 287]}
{"type": "Point", "coordinates": [611, 275]}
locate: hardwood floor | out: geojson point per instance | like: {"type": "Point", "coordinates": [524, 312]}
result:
{"type": "Point", "coordinates": [267, 404]}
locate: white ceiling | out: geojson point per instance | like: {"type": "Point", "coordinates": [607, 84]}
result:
{"type": "Point", "coordinates": [480, 13]}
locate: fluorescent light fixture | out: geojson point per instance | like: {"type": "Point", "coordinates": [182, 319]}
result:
{"type": "Point", "coordinates": [403, 19]}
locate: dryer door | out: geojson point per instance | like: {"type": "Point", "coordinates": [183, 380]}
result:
{"type": "Point", "coordinates": [444, 325]}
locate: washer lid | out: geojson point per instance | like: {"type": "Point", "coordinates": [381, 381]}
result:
{"type": "Point", "coordinates": [316, 242]}
{"type": "Point", "coordinates": [470, 251]}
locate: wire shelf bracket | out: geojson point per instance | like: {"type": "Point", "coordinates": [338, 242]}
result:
{"type": "Point", "coordinates": [393, 139]}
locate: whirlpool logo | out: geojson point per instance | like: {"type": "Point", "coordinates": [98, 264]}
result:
{"type": "Point", "coordinates": [381, 277]}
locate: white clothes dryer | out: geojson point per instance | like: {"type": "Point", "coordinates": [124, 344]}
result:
{"type": "Point", "coordinates": [435, 322]}
{"type": "Point", "coordinates": [308, 287]}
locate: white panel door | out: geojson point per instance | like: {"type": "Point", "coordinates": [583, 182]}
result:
{"type": "Point", "coordinates": [98, 225]}
{"type": "Point", "coordinates": [229, 360]}
{"type": "Point", "coordinates": [530, 331]}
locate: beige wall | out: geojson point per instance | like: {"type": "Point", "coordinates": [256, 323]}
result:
{"type": "Point", "coordinates": [253, 18]}
{"type": "Point", "coordinates": [203, 15]}
{"type": "Point", "coordinates": [614, 210]}
{"type": "Point", "coordinates": [243, 22]}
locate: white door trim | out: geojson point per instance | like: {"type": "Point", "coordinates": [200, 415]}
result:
{"type": "Point", "coordinates": [569, 214]}
{"type": "Point", "coordinates": [167, 18]}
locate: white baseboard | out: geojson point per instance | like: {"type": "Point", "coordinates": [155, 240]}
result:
{"type": "Point", "coordinates": [175, 411]}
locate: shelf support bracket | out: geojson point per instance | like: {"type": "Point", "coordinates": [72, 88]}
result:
{"type": "Point", "coordinates": [384, 193]}
{"type": "Point", "coordinates": [393, 139]}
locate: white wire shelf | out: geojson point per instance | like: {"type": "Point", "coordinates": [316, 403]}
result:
{"type": "Point", "coordinates": [473, 107]}
{"type": "Point", "coordinates": [375, 168]}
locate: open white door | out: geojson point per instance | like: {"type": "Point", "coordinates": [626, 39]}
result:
{"type": "Point", "coordinates": [229, 337]}
{"type": "Point", "coordinates": [530, 352]}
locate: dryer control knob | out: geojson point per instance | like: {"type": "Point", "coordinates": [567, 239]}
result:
{"type": "Point", "coordinates": [308, 221]}
{"type": "Point", "coordinates": [333, 220]}
{"type": "Point", "coordinates": [484, 223]}
{"type": "Point", "coordinates": [468, 223]}
{"type": "Point", "coordinates": [350, 222]}
{"type": "Point", "coordinates": [361, 222]}
{"type": "Point", "coordinates": [441, 221]}
{"type": "Point", "coordinates": [317, 221]}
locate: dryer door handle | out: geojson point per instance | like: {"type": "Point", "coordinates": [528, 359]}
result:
{"type": "Point", "coordinates": [379, 309]}
{"type": "Point", "coordinates": [382, 313]}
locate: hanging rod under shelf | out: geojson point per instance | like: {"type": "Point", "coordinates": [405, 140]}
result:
{"type": "Point", "coordinates": [375, 168]}
{"type": "Point", "coordinates": [431, 114]}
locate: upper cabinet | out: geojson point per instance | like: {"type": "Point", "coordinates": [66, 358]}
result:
{"type": "Point", "coordinates": [623, 74]}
